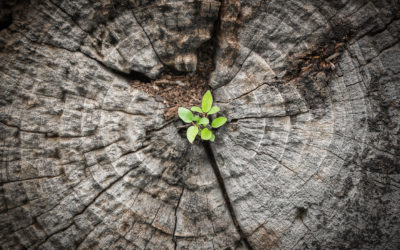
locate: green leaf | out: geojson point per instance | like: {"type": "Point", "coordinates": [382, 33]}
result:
{"type": "Point", "coordinates": [185, 114]}
{"type": "Point", "coordinates": [213, 110]}
{"type": "Point", "coordinates": [206, 134]}
{"type": "Point", "coordinates": [191, 133]}
{"type": "Point", "coordinates": [203, 121]}
{"type": "Point", "coordinates": [207, 102]}
{"type": "Point", "coordinates": [212, 137]}
{"type": "Point", "coordinates": [196, 118]}
{"type": "Point", "coordinates": [199, 133]}
{"type": "Point", "coordinates": [218, 122]}
{"type": "Point", "coordinates": [196, 109]}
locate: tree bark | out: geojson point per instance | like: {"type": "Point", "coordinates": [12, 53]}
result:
{"type": "Point", "coordinates": [309, 158]}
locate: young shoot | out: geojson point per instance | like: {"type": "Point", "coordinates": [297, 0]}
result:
{"type": "Point", "coordinates": [200, 120]}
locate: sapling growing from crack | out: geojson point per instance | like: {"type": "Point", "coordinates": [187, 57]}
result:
{"type": "Point", "coordinates": [200, 120]}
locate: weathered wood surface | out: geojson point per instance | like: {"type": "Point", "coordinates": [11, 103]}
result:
{"type": "Point", "coordinates": [309, 159]}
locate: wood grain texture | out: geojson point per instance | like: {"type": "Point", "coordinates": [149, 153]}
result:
{"type": "Point", "coordinates": [309, 158]}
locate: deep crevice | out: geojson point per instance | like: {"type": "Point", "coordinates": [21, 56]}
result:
{"type": "Point", "coordinates": [5, 21]}
{"type": "Point", "coordinates": [211, 158]}
{"type": "Point", "coordinates": [212, 45]}
{"type": "Point", "coordinates": [132, 76]}
{"type": "Point", "coordinates": [182, 89]}
{"type": "Point", "coordinates": [7, 9]}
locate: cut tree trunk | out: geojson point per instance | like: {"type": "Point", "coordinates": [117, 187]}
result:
{"type": "Point", "coordinates": [92, 155]}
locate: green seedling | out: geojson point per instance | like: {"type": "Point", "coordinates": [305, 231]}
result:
{"type": "Point", "coordinates": [200, 120]}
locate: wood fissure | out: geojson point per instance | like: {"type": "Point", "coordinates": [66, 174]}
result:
{"type": "Point", "coordinates": [221, 183]}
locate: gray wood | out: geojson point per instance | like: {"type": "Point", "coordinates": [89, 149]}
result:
{"type": "Point", "coordinates": [308, 160]}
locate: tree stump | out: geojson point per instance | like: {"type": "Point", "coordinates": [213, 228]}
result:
{"type": "Point", "coordinates": [93, 157]}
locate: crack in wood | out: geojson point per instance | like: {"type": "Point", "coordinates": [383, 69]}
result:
{"type": "Point", "coordinates": [148, 38]}
{"type": "Point", "coordinates": [176, 218]}
{"type": "Point", "coordinates": [211, 158]}
{"type": "Point", "coordinates": [37, 178]}
{"type": "Point", "coordinates": [131, 76]}
{"type": "Point", "coordinates": [85, 208]}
